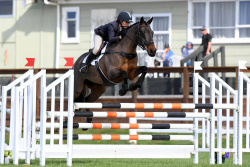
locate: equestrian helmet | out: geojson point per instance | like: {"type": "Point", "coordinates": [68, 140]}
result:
{"type": "Point", "coordinates": [124, 16]}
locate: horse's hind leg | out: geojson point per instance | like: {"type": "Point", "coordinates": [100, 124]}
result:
{"type": "Point", "coordinates": [96, 91]}
{"type": "Point", "coordinates": [139, 70]}
{"type": "Point", "coordinates": [81, 97]}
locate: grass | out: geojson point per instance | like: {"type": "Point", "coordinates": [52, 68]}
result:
{"type": "Point", "coordinates": [203, 161]}
{"type": "Point", "coordinates": [203, 157]}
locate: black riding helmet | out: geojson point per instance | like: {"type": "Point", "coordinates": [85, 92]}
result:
{"type": "Point", "coordinates": [124, 16]}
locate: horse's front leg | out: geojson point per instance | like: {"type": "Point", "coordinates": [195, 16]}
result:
{"type": "Point", "coordinates": [124, 88]}
{"type": "Point", "coordinates": [139, 70]}
{"type": "Point", "coordinates": [117, 73]}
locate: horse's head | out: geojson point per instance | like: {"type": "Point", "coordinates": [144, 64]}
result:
{"type": "Point", "coordinates": [145, 37]}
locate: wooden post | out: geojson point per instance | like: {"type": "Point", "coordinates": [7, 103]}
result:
{"type": "Point", "coordinates": [236, 76]}
{"type": "Point", "coordinates": [38, 95]}
{"type": "Point", "coordinates": [185, 85]}
{"type": "Point", "coordinates": [215, 55]}
{"type": "Point", "coordinates": [223, 62]}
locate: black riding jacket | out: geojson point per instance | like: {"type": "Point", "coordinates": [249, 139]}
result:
{"type": "Point", "coordinates": [109, 32]}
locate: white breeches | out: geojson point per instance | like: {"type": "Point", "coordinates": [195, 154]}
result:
{"type": "Point", "coordinates": [97, 43]}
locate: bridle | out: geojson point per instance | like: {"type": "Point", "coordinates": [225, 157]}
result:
{"type": "Point", "coordinates": [140, 39]}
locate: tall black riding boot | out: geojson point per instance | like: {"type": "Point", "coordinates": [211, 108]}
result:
{"type": "Point", "coordinates": [84, 66]}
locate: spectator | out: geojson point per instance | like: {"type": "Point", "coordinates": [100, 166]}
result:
{"type": "Point", "coordinates": [165, 55]}
{"type": "Point", "coordinates": [186, 50]}
{"type": "Point", "coordinates": [206, 41]}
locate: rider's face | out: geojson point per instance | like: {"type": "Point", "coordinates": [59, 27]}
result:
{"type": "Point", "coordinates": [125, 24]}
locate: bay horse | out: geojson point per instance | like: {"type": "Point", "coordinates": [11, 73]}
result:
{"type": "Point", "coordinates": [119, 63]}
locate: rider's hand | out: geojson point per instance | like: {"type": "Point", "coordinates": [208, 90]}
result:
{"type": "Point", "coordinates": [120, 37]}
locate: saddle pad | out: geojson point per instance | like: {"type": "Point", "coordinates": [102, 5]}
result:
{"type": "Point", "coordinates": [97, 59]}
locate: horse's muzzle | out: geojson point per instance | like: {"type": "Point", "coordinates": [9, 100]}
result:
{"type": "Point", "coordinates": [151, 50]}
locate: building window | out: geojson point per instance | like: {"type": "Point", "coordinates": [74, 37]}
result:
{"type": "Point", "coordinates": [226, 21]}
{"type": "Point", "coordinates": [161, 26]}
{"type": "Point", "coordinates": [244, 19]}
{"type": "Point", "coordinates": [70, 25]}
{"type": "Point", "coordinates": [6, 8]}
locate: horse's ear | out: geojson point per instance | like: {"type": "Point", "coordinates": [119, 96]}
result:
{"type": "Point", "coordinates": [150, 21]}
{"type": "Point", "coordinates": [141, 21]}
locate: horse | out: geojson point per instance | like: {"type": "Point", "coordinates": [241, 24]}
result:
{"type": "Point", "coordinates": [119, 63]}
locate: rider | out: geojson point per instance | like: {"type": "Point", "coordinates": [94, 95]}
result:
{"type": "Point", "coordinates": [112, 32]}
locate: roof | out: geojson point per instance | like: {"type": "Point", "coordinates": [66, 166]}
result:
{"type": "Point", "coordinates": [104, 1]}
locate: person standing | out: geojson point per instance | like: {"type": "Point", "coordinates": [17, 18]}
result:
{"type": "Point", "coordinates": [206, 41]}
{"type": "Point", "coordinates": [186, 50]}
{"type": "Point", "coordinates": [165, 55]}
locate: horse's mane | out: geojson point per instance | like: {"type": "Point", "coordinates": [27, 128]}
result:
{"type": "Point", "coordinates": [136, 24]}
{"type": "Point", "coordinates": [132, 25]}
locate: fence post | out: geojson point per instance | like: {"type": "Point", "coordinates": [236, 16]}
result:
{"type": "Point", "coordinates": [240, 114]}
{"type": "Point", "coordinates": [195, 120]}
{"type": "Point", "coordinates": [133, 120]}
{"type": "Point", "coordinates": [212, 119]}
{"type": "Point", "coordinates": [70, 118]}
{"type": "Point", "coordinates": [16, 128]}
{"type": "Point", "coordinates": [3, 124]}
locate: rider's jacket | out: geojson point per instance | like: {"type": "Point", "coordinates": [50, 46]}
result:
{"type": "Point", "coordinates": [109, 32]}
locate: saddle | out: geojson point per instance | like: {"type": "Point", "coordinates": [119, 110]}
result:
{"type": "Point", "coordinates": [99, 54]}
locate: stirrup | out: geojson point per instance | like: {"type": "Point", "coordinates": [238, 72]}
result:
{"type": "Point", "coordinates": [84, 68]}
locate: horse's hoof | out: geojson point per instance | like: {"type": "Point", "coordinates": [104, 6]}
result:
{"type": "Point", "coordinates": [88, 120]}
{"type": "Point", "coordinates": [122, 92]}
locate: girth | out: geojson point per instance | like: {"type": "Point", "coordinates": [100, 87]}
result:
{"type": "Point", "coordinates": [105, 80]}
